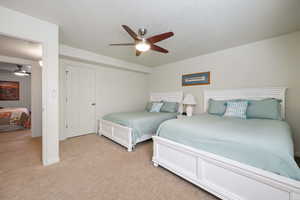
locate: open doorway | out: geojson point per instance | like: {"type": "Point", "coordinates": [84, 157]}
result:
{"type": "Point", "coordinates": [20, 99]}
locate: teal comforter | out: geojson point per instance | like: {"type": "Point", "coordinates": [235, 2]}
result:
{"type": "Point", "coordinates": [265, 144]}
{"type": "Point", "coordinates": [140, 122]}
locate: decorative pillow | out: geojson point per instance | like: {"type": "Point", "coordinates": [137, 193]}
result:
{"type": "Point", "coordinates": [171, 107]}
{"type": "Point", "coordinates": [264, 109]}
{"type": "Point", "coordinates": [236, 109]}
{"type": "Point", "coordinates": [216, 107]}
{"type": "Point", "coordinates": [148, 106]}
{"type": "Point", "coordinates": [156, 107]}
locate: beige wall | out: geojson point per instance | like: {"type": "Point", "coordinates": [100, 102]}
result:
{"type": "Point", "coordinates": [120, 90]}
{"type": "Point", "coordinates": [117, 90]}
{"type": "Point", "coordinates": [272, 62]}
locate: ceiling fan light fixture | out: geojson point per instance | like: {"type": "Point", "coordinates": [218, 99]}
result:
{"type": "Point", "coordinates": [21, 73]}
{"type": "Point", "coordinates": [142, 46]}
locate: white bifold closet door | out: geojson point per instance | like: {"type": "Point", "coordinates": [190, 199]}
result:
{"type": "Point", "coordinates": [80, 101]}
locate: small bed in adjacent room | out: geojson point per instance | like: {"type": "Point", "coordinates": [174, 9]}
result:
{"type": "Point", "coordinates": [130, 128]}
{"type": "Point", "coordinates": [14, 118]}
{"type": "Point", "coordinates": [234, 157]}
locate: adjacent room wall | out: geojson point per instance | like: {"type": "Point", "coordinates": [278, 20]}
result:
{"type": "Point", "coordinates": [268, 63]}
{"type": "Point", "coordinates": [117, 90]}
{"type": "Point", "coordinates": [24, 91]}
{"type": "Point", "coordinates": [36, 100]}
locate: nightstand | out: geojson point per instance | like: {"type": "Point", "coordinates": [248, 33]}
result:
{"type": "Point", "coordinates": [181, 116]}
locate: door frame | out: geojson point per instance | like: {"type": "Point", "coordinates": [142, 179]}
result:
{"type": "Point", "coordinates": [64, 63]}
{"type": "Point", "coordinates": [12, 24]}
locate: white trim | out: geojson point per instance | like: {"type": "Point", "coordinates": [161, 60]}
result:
{"type": "Point", "coordinates": [246, 93]}
{"type": "Point", "coordinates": [225, 178]}
{"type": "Point", "coordinates": [51, 161]}
{"type": "Point", "coordinates": [123, 135]}
{"type": "Point", "coordinates": [83, 55]}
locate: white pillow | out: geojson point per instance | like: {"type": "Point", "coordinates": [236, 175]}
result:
{"type": "Point", "coordinates": [236, 109]}
{"type": "Point", "coordinates": [156, 107]}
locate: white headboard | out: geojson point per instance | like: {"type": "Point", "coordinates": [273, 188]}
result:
{"type": "Point", "coordinates": [168, 96]}
{"type": "Point", "coordinates": [246, 93]}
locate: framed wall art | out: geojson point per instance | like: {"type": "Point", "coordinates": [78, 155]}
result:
{"type": "Point", "coordinates": [202, 78]}
{"type": "Point", "coordinates": [9, 91]}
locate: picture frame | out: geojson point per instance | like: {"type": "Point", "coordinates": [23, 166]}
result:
{"type": "Point", "coordinates": [9, 91]}
{"type": "Point", "coordinates": [201, 78]}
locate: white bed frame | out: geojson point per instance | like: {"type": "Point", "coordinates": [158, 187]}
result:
{"type": "Point", "coordinates": [225, 178]}
{"type": "Point", "coordinates": [123, 135]}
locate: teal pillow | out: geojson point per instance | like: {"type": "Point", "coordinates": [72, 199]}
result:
{"type": "Point", "coordinates": [236, 109]}
{"type": "Point", "coordinates": [156, 107]}
{"type": "Point", "coordinates": [170, 107]}
{"type": "Point", "coordinates": [149, 105]}
{"type": "Point", "coordinates": [264, 109]}
{"type": "Point", "coordinates": [216, 107]}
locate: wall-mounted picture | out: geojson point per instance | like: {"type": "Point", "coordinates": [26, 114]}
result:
{"type": "Point", "coordinates": [202, 78]}
{"type": "Point", "coordinates": [9, 90]}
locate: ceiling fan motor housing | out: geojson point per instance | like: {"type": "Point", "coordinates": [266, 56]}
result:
{"type": "Point", "coordinates": [142, 32]}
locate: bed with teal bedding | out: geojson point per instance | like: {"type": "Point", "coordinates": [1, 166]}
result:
{"type": "Point", "coordinates": [262, 143]}
{"type": "Point", "coordinates": [141, 122]}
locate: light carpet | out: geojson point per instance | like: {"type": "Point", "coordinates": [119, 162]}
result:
{"type": "Point", "coordinates": [91, 168]}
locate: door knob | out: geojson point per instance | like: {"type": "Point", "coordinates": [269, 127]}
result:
{"type": "Point", "coordinates": [93, 104]}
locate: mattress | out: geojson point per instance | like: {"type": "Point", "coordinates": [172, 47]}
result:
{"type": "Point", "coordinates": [261, 143]}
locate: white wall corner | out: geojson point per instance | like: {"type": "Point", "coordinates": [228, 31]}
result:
{"type": "Point", "coordinates": [25, 27]}
{"type": "Point", "coordinates": [87, 56]}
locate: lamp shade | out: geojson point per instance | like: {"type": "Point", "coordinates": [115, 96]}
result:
{"type": "Point", "coordinates": [189, 99]}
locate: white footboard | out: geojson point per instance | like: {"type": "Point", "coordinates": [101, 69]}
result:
{"type": "Point", "coordinates": [222, 177]}
{"type": "Point", "coordinates": [117, 133]}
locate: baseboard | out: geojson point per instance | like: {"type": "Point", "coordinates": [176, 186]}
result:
{"type": "Point", "coordinates": [50, 161]}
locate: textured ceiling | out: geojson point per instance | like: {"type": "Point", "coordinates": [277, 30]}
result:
{"type": "Point", "coordinates": [200, 26]}
{"type": "Point", "coordinates": [20, 48]}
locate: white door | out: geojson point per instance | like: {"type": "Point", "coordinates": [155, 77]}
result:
{"type": "Point", "coordinates": [80, 101]}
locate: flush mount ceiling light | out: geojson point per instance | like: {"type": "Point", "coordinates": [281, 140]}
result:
{"type": "Point", "coordinates": [21, 72]}
{"type": "Point", "coordinates": [143, 44]}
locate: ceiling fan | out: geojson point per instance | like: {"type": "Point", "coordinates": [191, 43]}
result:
{"type": "Point", "coordinates": [143, 44]}
{"type": "Point", "coordinates": [21, 72]}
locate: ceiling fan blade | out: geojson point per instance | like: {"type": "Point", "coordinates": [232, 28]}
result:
{"type": "Point", "coordinates": [123, 44]}
{"type": "Point", "coordinates": [137, 53]}
{"type": "Point", "coordinates": [159, 49]}
{"type": "Point", "coordinates": [160, 37]}
{"type": "Point", "coordinates": [130, 32]}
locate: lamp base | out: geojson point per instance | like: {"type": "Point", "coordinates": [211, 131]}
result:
{"type": "Point", "coordinates": [189, 111]}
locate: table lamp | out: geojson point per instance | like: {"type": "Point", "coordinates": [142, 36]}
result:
{"type": "Point", "coordinates": [189, 101]}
